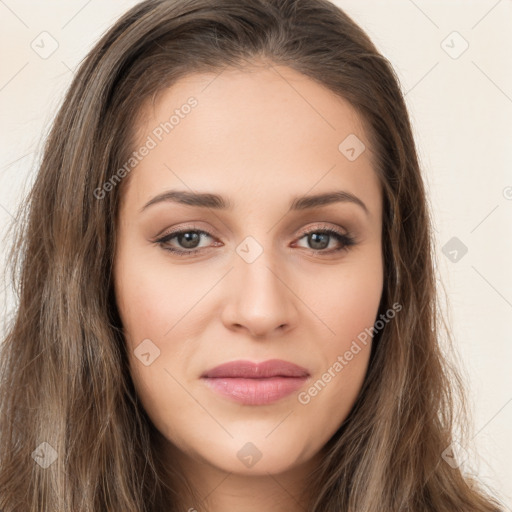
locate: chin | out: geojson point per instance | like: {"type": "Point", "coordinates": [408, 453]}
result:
{"type": "Point", "coordinates": [257, 458]}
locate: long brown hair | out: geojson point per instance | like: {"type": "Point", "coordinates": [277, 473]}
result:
{"type": "Point", "coordinates": [66, 397]}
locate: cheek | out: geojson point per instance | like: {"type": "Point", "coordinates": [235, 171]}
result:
{"type": "Point", "coordinates": [150, 305]}
{"type": "Point", "coordinates": [156, 303]}
{"type": "Point", "coordinates": [151, 298]}
{"type": "Point", "coordinates": [348, 301]}
{"type": "Point", "coordinates": [348, 307]}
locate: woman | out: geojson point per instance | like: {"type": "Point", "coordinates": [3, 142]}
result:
{"type": "Point", "coordinates": [227, 294]}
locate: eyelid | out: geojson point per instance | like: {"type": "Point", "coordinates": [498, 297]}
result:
{"type": "Point", "coordinates": [179, 229]}
{"type": "Point", "coordinates": [320, 227]}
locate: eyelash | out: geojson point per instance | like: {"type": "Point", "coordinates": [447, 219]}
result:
{"type": "Point", "coordinates": [346, 241]}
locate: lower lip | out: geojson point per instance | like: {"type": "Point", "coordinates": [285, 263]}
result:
{"type": "Point", "coordinates": [255, 391]}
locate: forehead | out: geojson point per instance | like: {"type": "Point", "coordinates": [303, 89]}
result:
{"type": "Point", "coordinates": [260, 99]}
{"type": "Point", "coordinates": [263, 128]}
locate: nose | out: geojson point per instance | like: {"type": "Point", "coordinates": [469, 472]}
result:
{"type": "Point", "coordinates": [260, 300]}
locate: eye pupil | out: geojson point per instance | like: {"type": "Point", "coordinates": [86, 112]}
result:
{"type": "Point", "coordinates": [313, 240]}
{"type": "Point", "coordinates": [191, 239]}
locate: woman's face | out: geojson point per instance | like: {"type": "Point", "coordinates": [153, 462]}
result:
{"type": "Point", "coordinates": [264, 281]}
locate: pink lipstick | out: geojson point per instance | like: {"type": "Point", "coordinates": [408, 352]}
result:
{"type": "Point", "coordinates": [256, 383]}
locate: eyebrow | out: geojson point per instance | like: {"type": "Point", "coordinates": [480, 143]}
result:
{"type": "Point", "coordinates": [217, 202]}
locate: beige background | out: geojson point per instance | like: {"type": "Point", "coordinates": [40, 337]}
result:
{"type": "Point", "coordinates": [461, 107]}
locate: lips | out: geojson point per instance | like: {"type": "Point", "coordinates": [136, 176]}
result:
{"type": "Point", "coordinates": [256, 383]}
{"type": "Point", "coordinates": [250, 370]}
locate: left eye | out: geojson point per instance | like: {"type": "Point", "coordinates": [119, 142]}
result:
{"type": "Point", "coordinates": [190, 238]}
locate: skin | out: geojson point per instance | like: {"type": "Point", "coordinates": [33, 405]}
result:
{"type": "Point", "coordinates": [259, 137]}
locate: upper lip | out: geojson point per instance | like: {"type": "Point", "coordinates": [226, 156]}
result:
{"type": "Point", "coordinates": [250, 370]}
